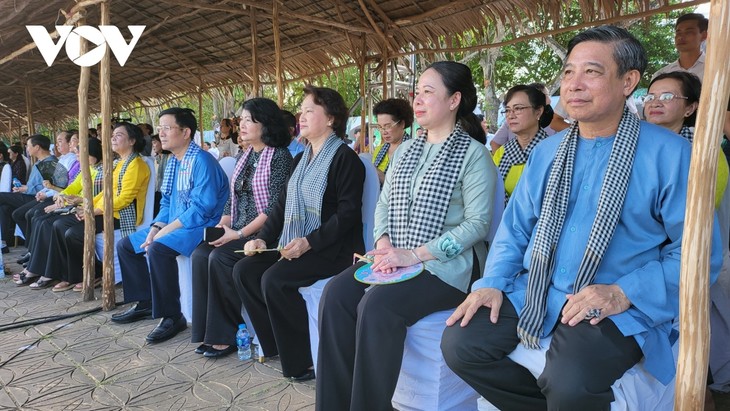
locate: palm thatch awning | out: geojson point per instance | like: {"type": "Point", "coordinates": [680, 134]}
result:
{"type": "Point", "coordinates": [191, 46]}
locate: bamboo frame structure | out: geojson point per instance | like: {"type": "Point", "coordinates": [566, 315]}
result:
{"type": "Point", "coordinates": [254, 55]}
{"type": "Point", "coordinates": [88, 207]}
{"type": "Point", "coordinates": [29, 110]}
{"type": "Point", "coordinates": [694, 290]}
{"type": "Point", "coordinates": [108, 295]}
{"type": "Point", "coordinates": [277, 51]}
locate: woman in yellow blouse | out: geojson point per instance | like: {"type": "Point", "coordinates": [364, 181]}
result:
{"type": "Point", "coordinates": [394, 116]}
{"type": "Point", "coordinates": [129, 184]}
{"type": "Point", "coordinates": [523, 108]}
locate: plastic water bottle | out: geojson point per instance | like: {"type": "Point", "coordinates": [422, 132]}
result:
{"type": "Point", "coordinates": [243, 341]}
{"type": "Point", "coordinates": [16, 182]}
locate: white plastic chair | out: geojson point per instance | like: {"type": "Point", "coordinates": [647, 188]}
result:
{"type": "Point", "coordinates": [313, 293]}
{"type": "Point", "coordinates": [229, 165]}
{"type": "Point", "coordinates": [147, 216]}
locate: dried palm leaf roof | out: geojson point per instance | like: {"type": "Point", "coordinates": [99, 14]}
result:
{"type": "Point", "coordinates": [189, 46]}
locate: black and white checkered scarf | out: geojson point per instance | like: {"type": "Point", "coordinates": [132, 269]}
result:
{"type": "Point", "coordinates": [687, 132]}
{"type": "Point", "coordinates": [552, 216]}
{"type": "Point", "coordinates": [514, 155]}
{"type": "Point", "coordinates": [128, 214]}
{"type": "Point", "coordinates": [304, 193]}
{"type": "Point", "coordinates": [428, 209]}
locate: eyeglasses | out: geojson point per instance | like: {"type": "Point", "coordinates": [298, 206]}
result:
{"type": "Point", "coordinates": [167, 128]}
{"type": "Point", "coordinates": [385, 127]}
{"type": "Point", "coordinates": [662, 97]}
{"type": "Point", "coordinates": [517, 110]}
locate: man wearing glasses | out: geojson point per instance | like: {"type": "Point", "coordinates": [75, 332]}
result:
{"type": "Point", "coordinates": [194, 191]}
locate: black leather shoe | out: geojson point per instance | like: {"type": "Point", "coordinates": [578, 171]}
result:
{"type": "Point", "coordinates": [202, 348]}
{"type": "Point", "coordinates": [132, 314]}
{"type": "Point", "coordinates": [24, 259]}
{"type": "Point", "coordinates": [213, 353]}
{"type": "Point", "coordinates": [166, 329]}
{"type": "Point", "coordinates": [308, 375]}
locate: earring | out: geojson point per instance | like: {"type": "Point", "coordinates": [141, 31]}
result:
{"type": "Point", "coordinates": [329, 124]}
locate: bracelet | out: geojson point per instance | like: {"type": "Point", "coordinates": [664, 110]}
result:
{"type": "Point", "coordinates": [413, 251]}
{"type": "Point", "coordinates": [156, 226]}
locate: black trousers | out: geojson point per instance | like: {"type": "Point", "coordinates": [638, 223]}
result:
{"type": "Point", "coordinates": [581, 364]}
{"type": "Point", "coordinates": [157, 282]}
{"type": "Point", "coordinates": [39, 244]}
{"type": "Point", "coordinates": [362, 334]}
{"type": "Point", "coordinates": [57, 259]}
{"type": "Point", "coordinates": [269, 289]}
{"type": "Point", "coordinates": [216, 304]}
{"type": "Point", "coordinates": [26, 214]}
{"type": "Point", "coordinates": [67, 248]}
{"type": "Point", "coordinates": [9, 203]}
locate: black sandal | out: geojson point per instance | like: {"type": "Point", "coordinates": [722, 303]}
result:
{"type": "Point", "coordinates": [26, 280]}
{"type": "Point", "coordinates": [41, 284]}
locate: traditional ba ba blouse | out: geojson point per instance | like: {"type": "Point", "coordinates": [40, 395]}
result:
{"type": "Point", "coordinates": [134, 188]}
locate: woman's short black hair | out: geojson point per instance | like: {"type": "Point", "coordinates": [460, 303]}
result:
{"type": "Point", "coordinates": [135, 133]}
{"type": "Point", "coordinates": [691, 88]}
{"type": "Point", "coordinates": [18, 150]}
{"type": "Point", "coordinates": [537, 100]}
{"type": "Point", "coordinates": [274, 131]}
{"type": "Point", "coordinates": [4, 152]}
{"type": "Point", "coordinates": [399, 109]}
{"type": "Point", "coordinates": [334, 106]}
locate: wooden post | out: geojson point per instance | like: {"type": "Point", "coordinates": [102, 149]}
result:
{"type": "Point", "coordinates": [89, 224]}
{"type": "Point", "coordinates": [277, 50]}
{"type": "Point", "coordinates": [200, 111]}
{"type": "Point", "coordinates": [29, 110]}
{"type": "Point", "coordinates": [363, 111]}
{"type": "Point", "coordinates": [254, 54]}
{"type": "Point", "coordinates": [694, 299]}
{"type": "Point", "coordinates": [385, 71]}
{"type": "Point", "coordinates": [108, 297]}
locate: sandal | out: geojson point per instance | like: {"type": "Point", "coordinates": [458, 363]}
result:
{"type": "Point", "coordinates": [62, 286]}
{"type": "Point", "coordinates": [80, 286]}
{"type": "Point", "coordinates": [41, 284]}
{"type": "Point", "coordinates": [26, 280]}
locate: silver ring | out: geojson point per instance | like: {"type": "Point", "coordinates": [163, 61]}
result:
{"type": "Point", "coordinates": [593, 313]}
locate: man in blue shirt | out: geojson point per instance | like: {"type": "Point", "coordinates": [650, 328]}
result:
{"type": "Point", "coordinates": [194, 192]}
{"type": "Point", "coordinates": [588, 249]}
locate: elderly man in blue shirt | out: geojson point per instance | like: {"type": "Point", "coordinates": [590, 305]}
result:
{"type": "Point", "coordinates": [194, 192]}
{"type": "Point", "coordinates": [588, 249]}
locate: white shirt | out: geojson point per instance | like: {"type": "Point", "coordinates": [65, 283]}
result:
{"type": "Point", "coordinates": [698, 69]}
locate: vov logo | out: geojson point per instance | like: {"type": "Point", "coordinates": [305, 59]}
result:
{"type": "Point", "coordinates": [70, 36]}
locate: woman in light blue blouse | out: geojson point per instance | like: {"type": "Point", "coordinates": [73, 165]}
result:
{"type": "Point", "coordinates": [435, 208]}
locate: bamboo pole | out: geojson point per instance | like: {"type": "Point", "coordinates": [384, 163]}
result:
{"type": "Point", "coordinates": [200, 110]}
{"type": "Point", "coordinates": [29, 110]}
{"type": "Point", "coordinates": [89, 225]}
{"type": "Point", "coordinates": [385, 71]}
{"type": "Point", "coordinates": [694, 299]}
{"type": "Point", "coordinates": [254, 54]}
{"type": "Point", "coordinates": [277, 51]}
{"type": "Point", "coordinates": [108, 297]}
{"type": "Point", "coordinates": [363, 56]}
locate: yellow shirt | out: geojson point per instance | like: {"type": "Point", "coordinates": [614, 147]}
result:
{"type": "Point", "coordinates": [75, 188]}
{"type": "Point", "coordinates": [723, 172]}
{"type": "Point", "coordinates": [386, 160]}
{"type": "Point", "coordinates": [514, 174]}
{"type": "Point", "coordinates": [134, 187]}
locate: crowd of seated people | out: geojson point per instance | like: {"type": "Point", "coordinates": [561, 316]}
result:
{"type": "Point", "coordinates": [295, 210]}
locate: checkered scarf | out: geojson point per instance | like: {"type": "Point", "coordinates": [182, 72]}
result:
{"type": "Point", "coordinates": [184, 178]}
{"type": "Point", "coordinates": [552, 216]}
{"type": "Point", "coordinates": [98, 183]}
{"type": "Point", "coordinates": [304, 193]}
{"type": "Point", "coordinates": [128, 214]}
{"type": "Point", "coordinates": [428, 209]}
{"type": "Point", "coordinates": [687, 132]}
{"type": "Point", "coordinates": [259, 183]}
{"type": "Point", "coordinates": [384, 152]}
{"type": "Point", "coordinates": [514, 155]}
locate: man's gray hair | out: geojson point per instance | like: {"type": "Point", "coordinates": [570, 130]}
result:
{"type": "Point", "coordinates": [628, 53]}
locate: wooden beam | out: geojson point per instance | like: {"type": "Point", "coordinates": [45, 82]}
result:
{"type": "Point", "coordinates": [384, 63]}
{"type": "Point", "coordinates": [88, 207]}
{"type": "Point", "coordinates": [108, 295]}
{"type": "Point", "coordinates": [29, 110]}
{"type": "Point", "coordinates": [694, 287]}
{"type": "Point", "coordinates": [288, 16]}
{"type": "Point", "coordinates": [200, 110]}
{"type": "Point", "coordinates": [373, 24]}
{"type": "Point", "coordinates": [361, 63]}
{"type": "Point", "coordinates": [277, 52]}
{"type": "Point", "coordinates": [611, 20]}
{"type": "Point", "coordinates": [254, 54]}
{"type": "Point", "coordinates": [450, 6]}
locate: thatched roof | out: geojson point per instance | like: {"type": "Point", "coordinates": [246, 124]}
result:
{"type": "Point", "coordinates": [191, 45]}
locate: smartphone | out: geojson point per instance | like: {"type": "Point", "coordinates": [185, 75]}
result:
{"type": "Point", "coordinates": [213, 233]}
